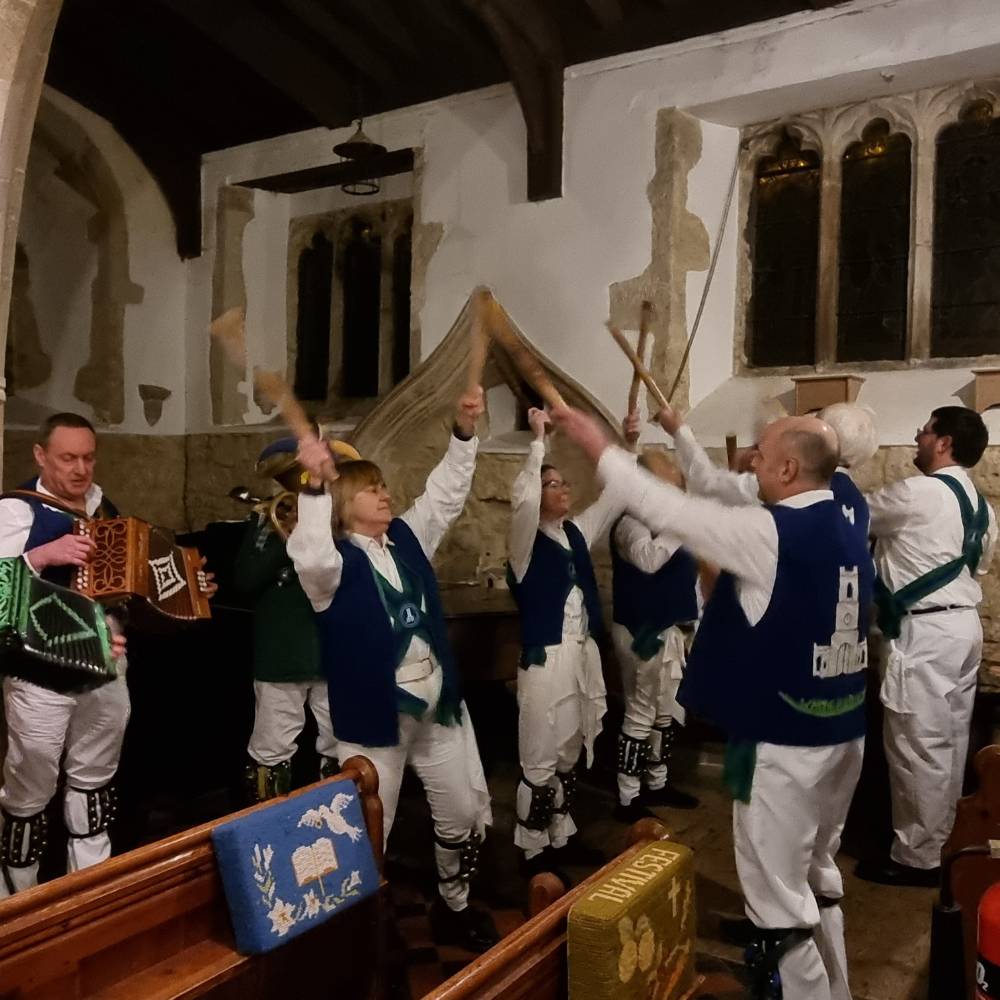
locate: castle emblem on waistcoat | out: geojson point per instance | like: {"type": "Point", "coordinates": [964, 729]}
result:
{"type": "Point", "coordinates": [409, 615]}
{"type": "Point", "coordinates": [845, 654]}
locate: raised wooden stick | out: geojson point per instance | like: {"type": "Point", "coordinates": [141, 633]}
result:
{"type": "Point", "coordinates": [526, 363]}
{"type": "Point", "coordinates": [640, 369]}
{"type": "Point", "coordinates": [645, 317]}
{"type": "Point", "coordinates": [731, 452]}
{"type": "Point", "coordinates": [229, 330]}
{"type": "Point", "coordinates": [480, 345]}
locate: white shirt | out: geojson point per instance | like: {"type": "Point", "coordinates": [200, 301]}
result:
{"type": "Point", "coordinates": [707, 479]}
{"type": "Point", "coordinates": [319, 564]}
{"type": "Point", "coordinates": [16, 519]}
{"type": "Point", "coordinates": [639, 546]}
{"type": "Point", "coordinates": [918, 527]}
{"type": "Point", "coordinates": [525, 523]}
{"type": "Point", "coordinates": [742, 540]}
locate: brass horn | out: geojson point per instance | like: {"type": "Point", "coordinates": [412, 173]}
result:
{"type": "Point", "coordinates": [281, 510]}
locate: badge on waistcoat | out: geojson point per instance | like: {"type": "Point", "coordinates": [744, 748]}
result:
{"type": "Point", "coordinates": [571, 569]}
{"type": "Point", "coordinates": [409, 615]}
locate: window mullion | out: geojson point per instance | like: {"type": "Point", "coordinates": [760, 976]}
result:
{"type": "Point", "coordinates": [921, 269]}
{"type": "Point", "coordinates": [828, 260]}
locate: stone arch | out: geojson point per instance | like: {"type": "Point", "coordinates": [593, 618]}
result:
{"type": "Point", "coordinates": [28, 28]}
{"type": "Point", "coordinates": [84, 168]}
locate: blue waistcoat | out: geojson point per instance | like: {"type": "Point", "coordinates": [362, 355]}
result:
{"type": "Point", "coordinates": [541, 595]}
{"type": "Point", "coordinates": [652, 602]}
{"type": "Point", "coordinates": [852, 503]}
{"type": "Point", "coordinates": [358, 649]}
{"type": "Point", "coordinates": [797, 677]}
{"type": "Point", "coordinates": [49, 524]}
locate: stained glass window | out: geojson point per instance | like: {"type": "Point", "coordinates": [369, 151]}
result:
{"type": "Point", "coordinates": [874, 246]}
{"type": "Point", "coordinates": [965, 304]}
{"type": "Point", "coordinates": [783, 235]}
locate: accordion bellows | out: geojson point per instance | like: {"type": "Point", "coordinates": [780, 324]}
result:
{"type": "Point", "coordinates": [632, 935]}
{"type": "Point", "coordinates": [49, 635]}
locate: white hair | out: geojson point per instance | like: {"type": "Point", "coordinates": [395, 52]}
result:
{"type": "Point", "coordinates": [855, 429]}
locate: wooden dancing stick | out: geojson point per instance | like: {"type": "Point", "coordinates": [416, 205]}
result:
{"type": "Point", "coordinates": [524, 361]}
{"type": "Point", "coordinates": [640, 369]}
{"type": "Point", "coordinates": [731, 452]}
{"type": "Point", "coordinates": [645, 317]}
{"type": "Point", "coordinates": [229, 330]}
{"type": "Point", "coordinates": [480, 345]}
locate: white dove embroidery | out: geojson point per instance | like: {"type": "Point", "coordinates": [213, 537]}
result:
{"type": "Point", "coordinates": [331, 816]}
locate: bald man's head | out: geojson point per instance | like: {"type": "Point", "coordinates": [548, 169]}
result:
{"type": "Point", "coordinates": [794, 454]}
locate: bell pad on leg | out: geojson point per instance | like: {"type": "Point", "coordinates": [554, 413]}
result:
{"type": "Point", "coordinates": [102, 807]}
{"type": "Point", "coordinates": [632, 755]}
{"type": "Point", "coordinates": [538, 814]}
{"type": "Point", "coordinates": [264, 782]}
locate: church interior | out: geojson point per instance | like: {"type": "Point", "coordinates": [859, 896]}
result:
{"type": "Point", "coordinates": [799, 202]}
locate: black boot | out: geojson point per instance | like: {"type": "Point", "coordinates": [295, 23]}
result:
{"type": "Point", "coordinates": [544, 862]}
{"type": "Point", "coordinates": [671, 797]}
{"type": "Point", "coordinates": [471, 928]}
{"type": "Point", "coordinates": [575, 852]}
{"type": "Point", "coordinates": [892, 873]}
{"type": "Point", "coordinates": [633, 812]}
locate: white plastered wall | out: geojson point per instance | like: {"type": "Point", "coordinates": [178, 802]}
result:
{"type": "Point", "coordinates": [551, 263]}
{"type": "Point", "coordinates": [63, 263]}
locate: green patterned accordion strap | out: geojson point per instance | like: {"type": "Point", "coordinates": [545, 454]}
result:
{"type": "Point", "coordinates": [49, 635]}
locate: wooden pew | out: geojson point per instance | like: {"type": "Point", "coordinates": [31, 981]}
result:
{"type": "Point", "coordinates": [530, 963]}
{"type": "Point", "coordinates": [153, 925]}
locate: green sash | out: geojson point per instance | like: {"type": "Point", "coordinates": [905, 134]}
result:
{"type": "Point", "coordinates": [893, 606]}
{"type": "Point", "coordinates": [408, 619]}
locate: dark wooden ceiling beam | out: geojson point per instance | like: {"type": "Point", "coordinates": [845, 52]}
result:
{"type": "Point", "coordinates": [289, 66]}
{"type": "Point", "coordinates": [607, 13]}
{"type": "Point", "coordinates": [531, 51]}
{"type": "Point", "coordinates": [397, 161]}
{"type": "Point", "coordinates": [349, 44]}
{"type": "Point", "coordinates": [384, 22]}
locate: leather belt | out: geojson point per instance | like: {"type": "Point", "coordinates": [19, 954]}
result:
{"type": "Point", "coordinates": [940, 608]}
{"type": "Point", "coordinates": [416, 671]}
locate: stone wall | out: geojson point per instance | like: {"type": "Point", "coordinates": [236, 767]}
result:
{"type": "Point", "coordinates": [182, 482]}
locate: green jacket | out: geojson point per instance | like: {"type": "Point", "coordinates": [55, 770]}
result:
{"type": "Point", "coordinates": [285, 640]}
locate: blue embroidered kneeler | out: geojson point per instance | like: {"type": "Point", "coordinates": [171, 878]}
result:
{"type": "Point", "coordinates": [291, 866]}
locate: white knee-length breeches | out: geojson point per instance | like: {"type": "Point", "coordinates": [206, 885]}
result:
{"type": "Point", "coordinates": [446, 759]}
{"type": "Point", "coordinates": [41, 725]}
{"type": "Point", "coordinates": [786, 839]}
{"type": "Point", "coordinates": [928, 691]}
{"type": "Point", "coordinates": [280, 715]}
{"type": "Point", "coordinates": [561, 704]}
{"type": "Point", "coordinates": [649, 688]}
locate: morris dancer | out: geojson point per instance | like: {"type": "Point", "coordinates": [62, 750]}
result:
{"type": "Point", "coordinates": [560, 688]}
{"type": "Point", "coordinates": [43, 725]}
{"type": "Point", "coordinates": [654, 588]}
{"type": "Point", "coordinates": [779, 664]}
{"type": "Point", "coordinates": [394, 687]}
{"type": "Point", "coordinates": [934, 534]}
{"type": "Point", "coordinates": [286, 666]}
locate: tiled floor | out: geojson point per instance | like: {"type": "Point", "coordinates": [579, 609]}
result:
{"type": "Point", "coordinates": [887, 929]}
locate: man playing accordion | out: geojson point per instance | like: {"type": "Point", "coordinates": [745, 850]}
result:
{"type": "Point", "coordinates": [43, 724]}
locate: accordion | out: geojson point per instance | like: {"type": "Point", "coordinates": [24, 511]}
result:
{"type": "Point", "coordinates": [139, 565]}
{"type": "Point", "coordinates": [49, 635]}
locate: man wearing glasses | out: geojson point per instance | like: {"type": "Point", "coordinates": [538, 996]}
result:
{"type": "Point", "coordinates": [934, 535]}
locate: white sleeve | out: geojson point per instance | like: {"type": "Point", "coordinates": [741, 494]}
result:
{"type": "Point", "coordinates": [16, 519]}
{"type": "Point", "coordinates": [525, 504]}
{"type": "Point", "coordinates": [601, 514]}
{"type": "Point", "coordinates": [311, 548]}
{"type": "Point", "coordinates": [445, 492]}
{"type": "Point", "coordinates": [705, 478]}
{"type": "Point", "coordinates": [890, 508]}
{"type": "Point", "coordinates": [641, 548]}
{"type": "Point", "coordinates": [742, 540]}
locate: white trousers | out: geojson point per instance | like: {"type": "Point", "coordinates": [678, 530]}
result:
{"type": "Point", "coordinates": [41, 726]}
{"type": "Point", "coordinates": [280, 716]}
{"type": "Point", "coordinates": [561, 703]}
{"type": "Point", "coordinates": [928, 692]}
{"type": "Point", "coordinates": [649, 688]}
{"type": "Point", "coordinates": [786, 838]}
{"type": "Point", "coordinates": [446, 760]}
